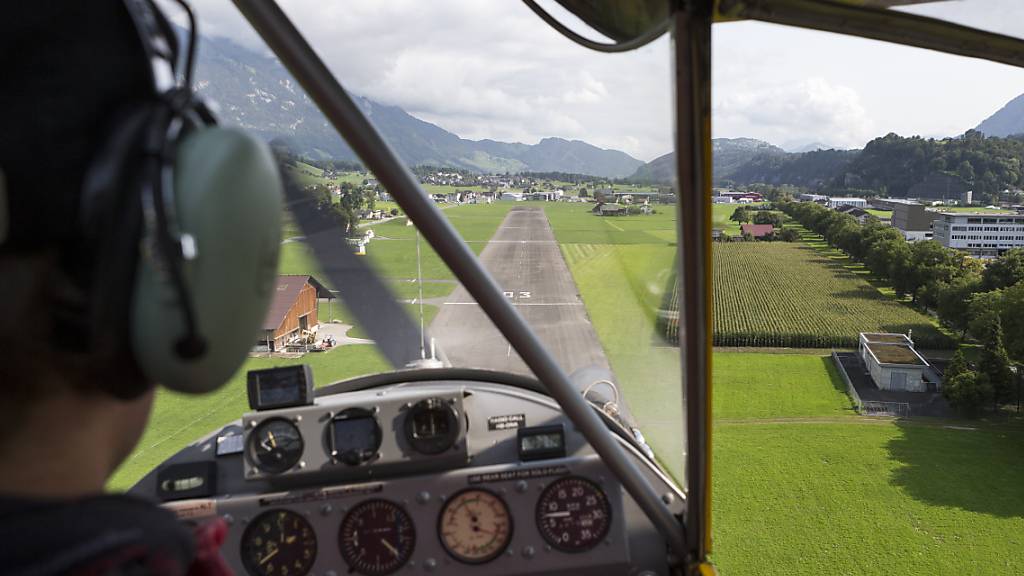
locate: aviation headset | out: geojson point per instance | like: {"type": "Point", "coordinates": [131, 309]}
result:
{"type": "Point", "coordinates": [180, 225]}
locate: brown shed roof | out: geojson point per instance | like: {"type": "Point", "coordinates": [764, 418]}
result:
{"type": "Point", "coordinates": [285, 294]}
{"type": "Point", "coordinates": [757, 230]}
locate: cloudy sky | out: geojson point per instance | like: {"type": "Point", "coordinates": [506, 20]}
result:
{"type": "Point", "coordinates": [492, 69]}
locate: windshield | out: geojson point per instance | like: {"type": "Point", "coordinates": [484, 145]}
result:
{"type": "Point", "coordinates": [528, 151]}
{"type": "Point", "coordinates": [868, 242]}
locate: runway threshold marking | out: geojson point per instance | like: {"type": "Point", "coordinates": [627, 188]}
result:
{"type": "Point", "coordinates": [519, 304]}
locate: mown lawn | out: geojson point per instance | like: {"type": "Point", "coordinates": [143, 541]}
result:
{"type": "Point", "coordinates": [777, 386]}
{"type": "Point", "coordinates": [866, 497]}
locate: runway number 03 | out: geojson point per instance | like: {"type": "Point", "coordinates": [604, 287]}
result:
{"type": "Point", "coordinates": [512, 295]}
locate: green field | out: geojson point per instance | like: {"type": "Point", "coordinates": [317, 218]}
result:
{"type": "Point", "coordinates": [790, 294]}
{"type": "Point", "coordinates": [799, 487]}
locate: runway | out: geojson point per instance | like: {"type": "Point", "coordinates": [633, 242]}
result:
{"type": "Point", "coordinates": [524, 258]}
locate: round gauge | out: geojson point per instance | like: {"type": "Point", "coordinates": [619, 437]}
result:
{"type": "Point", "coordinates": [278, 543]}
{"type": "Point", "coordinates": [475, 526]}
{"type": "Point", "coordinates": [431, 426]}
{"type": "Point", "coordinates": [355, 437]}
{"type": "Point", "coordinates": [573, 514]}
{"type": "Point", "coordinates": [275, 446]}
{"type": "Point", "coordinates": [377, 537]}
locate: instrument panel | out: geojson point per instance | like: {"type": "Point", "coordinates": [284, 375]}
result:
{"type": "Point", "coordinates": [447, 479]}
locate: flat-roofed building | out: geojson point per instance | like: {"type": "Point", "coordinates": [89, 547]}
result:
{"type": "Point", "coordinates": [912, 219]}
{"type": "Point", "coordinates": [983, 235]}
{"type": "Point", "coordinates": [837, 201]}
{"type": "Point", "coordinates": [892, 362]}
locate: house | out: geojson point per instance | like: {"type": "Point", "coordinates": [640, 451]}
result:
{"type": "Point", "coordinates": [292, 311]}
{"type": "Point", "coordinates": [757, 230]}
{"type": "Point", "coordinates": [859, 214]}
{"type": "Point", "coordinates": [893, 363]}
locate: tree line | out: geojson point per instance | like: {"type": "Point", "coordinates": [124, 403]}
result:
{"type": "Point", "coordinates": [969, 297]}
{"type": "Point", "coordinates": [899, 167]}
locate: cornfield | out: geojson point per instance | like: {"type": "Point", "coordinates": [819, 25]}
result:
{"type": "Point", "coordinates": [789, 295]}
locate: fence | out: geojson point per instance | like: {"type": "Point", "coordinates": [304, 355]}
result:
{"type": "Point", "coordinates": [875, 408]}
{"type": "Point", "coordinates": [869, 407]}
{"type": "Point", "coordinates": [850, 389]}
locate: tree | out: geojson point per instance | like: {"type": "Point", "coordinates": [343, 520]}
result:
{"type": "Point", "coordinates": [966, 172]}
{"type": "Point", "coordinates": [789, 235]}
{"type": "Point", "coordinates": [994, 364]}
{"type": "Point", "coordinates": [930, 262]}
{"type": "Point", "coordinates": [982, 310]}
{"type": "Point", "coordinates": [1005, 271]}
{"type": "Point", "coordinates": [1013, 320]}
{"type": "Point", "coordinates": [957, 366]}
{"type": "Point", "coordinates": [951, 300]}
{"type": "Point", "coordinates": [741, 215]}
{"type": "Point", "coordinates": [968, 391]}
{"type": "Point", "coordinates": [766, 217]}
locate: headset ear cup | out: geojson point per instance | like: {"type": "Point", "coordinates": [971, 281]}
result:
{"type": "Point", "coordinates": [228, 198]}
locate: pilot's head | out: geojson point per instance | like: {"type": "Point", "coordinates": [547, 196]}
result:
{"type": "Point", "coordinates": [138, 239]}
{"type": "Point", "coordinates": [67, 69]}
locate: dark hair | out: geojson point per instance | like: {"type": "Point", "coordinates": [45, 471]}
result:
{"type": "Point", "coordinates": [67, 67]}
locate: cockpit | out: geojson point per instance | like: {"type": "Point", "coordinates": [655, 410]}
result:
{"type": "Point", "coordinates": [524, 413]}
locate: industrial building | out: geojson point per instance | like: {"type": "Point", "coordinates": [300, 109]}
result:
{"type": "Point", "coordinates": [979, 234]}
{"type": "Point", "coordinates": [911, 218]}
{"type": "Point", "coordinates": [893, 363]}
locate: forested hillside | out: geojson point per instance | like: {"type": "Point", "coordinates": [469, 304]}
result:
{"type": "Point", "coordinates": [892, 165]}
{"type": "Point", "coordinates": [928, 168]}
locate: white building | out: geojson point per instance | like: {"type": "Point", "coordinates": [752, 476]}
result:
{"type": "Point", "coordinates": [721, 199]}
{"type": "Point", "coordinates": [892, 362]}
{"type": "Point", "coordinates": [812, 198]}
{"type": "Point", "coordinates": [981, 235]}
{"type": "Point", "coordinates": [836, 202]}
{"type": "Point", "coordinates": [512, 196]}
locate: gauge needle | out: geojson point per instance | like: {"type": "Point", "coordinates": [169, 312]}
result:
{"type": "Point", "coordinates": [558, 515]}
{"type": "Point", "coordinates": [290, 539]}
{"type": "Point", "coordinates": [269, 556]}
{"type": "Point", "coordinates": [270, 435]}
{"type": "Point", "coordinates": [392, 549]}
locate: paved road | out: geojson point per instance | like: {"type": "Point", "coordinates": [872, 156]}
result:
{"type": "Point", "coordinates": [524, 258]}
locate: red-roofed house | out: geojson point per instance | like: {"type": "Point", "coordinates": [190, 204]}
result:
{"type": "Point", "coordinates": [757, 230]}
{"type": "Point", "coordinates": [292, 310]}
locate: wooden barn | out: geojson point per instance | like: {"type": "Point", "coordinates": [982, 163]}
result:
{"type": "Point", "coordinates": [292, 310]}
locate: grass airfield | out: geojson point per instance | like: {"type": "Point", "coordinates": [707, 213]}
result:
{"type": "Point", "coordinates": [801, 485]}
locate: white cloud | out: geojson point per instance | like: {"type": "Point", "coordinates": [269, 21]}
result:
{"type": "Point", "coordinates": [813, 110]}
{"type": "Point", "coordinates": [481, 69]}
{"type": "Point", "coordinates": [492, 69]}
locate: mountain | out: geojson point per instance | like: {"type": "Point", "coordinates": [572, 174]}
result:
{"type": "Point", "coordinates": [1007, 121]}
{"type": "Point", "coordinates": [727, 155]}
{"type": "Point", "coordinates": [255, 92]}
{"type": "Point", "coordinates": [662, 169]}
